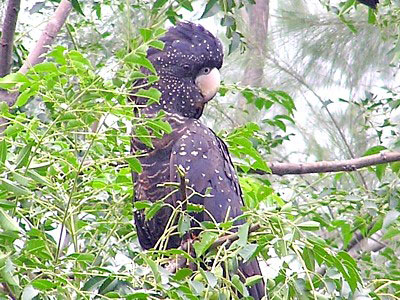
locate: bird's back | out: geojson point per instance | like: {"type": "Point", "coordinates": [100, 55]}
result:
{"type": "Point", "coordinates": [208, 168]}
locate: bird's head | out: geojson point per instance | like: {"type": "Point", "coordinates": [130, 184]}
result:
{"type": "Point", "coordinates": [188, 68]}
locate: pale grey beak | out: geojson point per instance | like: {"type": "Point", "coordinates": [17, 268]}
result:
{"type": "Point", "coordinates": [209, 84]}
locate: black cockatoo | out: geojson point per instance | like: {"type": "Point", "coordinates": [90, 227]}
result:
{"type": "Point", "coordinates": [370, 3]}
{"type": "Point", "coordinates": [188, 70]}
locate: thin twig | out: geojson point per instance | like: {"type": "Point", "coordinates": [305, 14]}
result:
{"type": "Point", "coordinates": [232, 237]}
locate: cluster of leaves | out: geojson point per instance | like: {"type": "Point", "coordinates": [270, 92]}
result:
{"type": "Point", "coordinates": [70, 172]}
{"type": "Point", "coordinates": [386, 17]}
{"type": "Point", "coordinates": [69, 168]}
{"type": "Point", "coordinates": [251, 142]}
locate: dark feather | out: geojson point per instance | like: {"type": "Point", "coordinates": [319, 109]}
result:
{"type": "Point", "coordinates": [370, 3]}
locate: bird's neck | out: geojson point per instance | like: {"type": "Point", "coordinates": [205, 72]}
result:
{"type": "Point", "coordinates": [179, 96]}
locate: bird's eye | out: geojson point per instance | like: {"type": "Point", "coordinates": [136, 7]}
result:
{"type": "Point", "coordinates": [186, 67]}
{"type": "Point", "coordinates": [206, 70]}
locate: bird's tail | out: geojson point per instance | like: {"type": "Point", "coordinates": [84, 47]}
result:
{"type": "Point", "coordinates": [251, 268]}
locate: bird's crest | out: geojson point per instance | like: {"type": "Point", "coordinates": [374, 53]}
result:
{"type": "Point", "coordinates": [192, 40]}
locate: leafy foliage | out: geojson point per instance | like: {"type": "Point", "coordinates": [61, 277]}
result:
{"type": "Point", "coordinates": [66, 215]}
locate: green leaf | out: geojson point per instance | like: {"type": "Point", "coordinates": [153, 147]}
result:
{"type": "Point", "coordinates": [154, 268]}
{"type": "Point", "coordinates": [9, 81]}
{"type": "Point", "coordinates": [207, 238]}
{"type": "Point", "coordinates": [152, 94]}
{"type": "Point", "coordinates": [7, 270]}
{"type": "Point", "coordinates": [3, 151]}
{"type": "Point", "coordinates": [182, 274]}
{"type": "Point", "coordinates": [77, 6]}
{"type": "Point", "coordinates": [144, 136]}
{"type": "Point", "coordinates": [8, 223]}
{"type": "Point", "coordinates": [371, 16]}
{"type": "Point", "coordinates": [140, 60]}
{"type": "Point", "coordinates": [346, 257]}
{"type": "Point", "coordinates": [285, 117]}
{"type": "Point", "coordinates": [243, 233]}
{"type": "Point", "coordinates": [134, 164]}
{"type": "Point", "coordinates": [155, 207]}
{"type": "Point", "coordinates": [23, 156]}
{"type": "Point", "coordinates": [35, 245]}
{"type": "Point", "coordinates": [309, 225]}
{"type": "Point", "coordinates": [83, 257]}
{"type": "Point", "coordinates": [24, 97]}
{"type": "Point", "coordinates": [211, 9]}
{"type": "Point", "coordinates": [194, 208]}
{"type": "Point", "coordinates": [239, 285]}
{"type": "Point", "coordinates": [142, 204]}
{"type": "Point", "coordinates": [380, 171]}
{"type": "Point", "coordinates": [391, 233]}
{"type": "Point", "coordinates": [4, 108]}
{"type": "Point", "coordinates": [37, 177]}
{"type": "Point", "coordinates": [183, 224]}
{"type": "Point", "coordinates": [390, 217]}
{"type": "Point", "coordinates": [247, 251]}
{"type": "Point", "coordinates": [186, 4]}
{"type": "Point", "coordinates": [77, 56]}
{"type": "Point", "coordinates": [7, 204]}
{"type": "Point", "coordinates": [374, 150]}
{"type": "Point", "coordinates": [146, 34]}
{"type": "Point", "coordinates": [11, 187]}
{"type": "Point", "coordinates": [157, 44]}
{"type": "Point", "coordinates": [94, 283]}
{"type": "Point", "coordinates": [395, 166]}
{"type": "Point", "coordinates": [159, 125]}
{"type": "Point", "coordinates": [158, 4]}
{"type": "Point", "coordinates": [377, 226]}
{"type": "Point", "coordinates": [43, 284]}
{"type": "Point", "coordinates": [58, 54]}
{"type": "Point", "coordinates": [252, 280]}
{"type": "Point", "coordinates": [346, 6]}
{"type": "Point", "coordinates": [21, 179]}
{"type": "Point", "coordinates": [308, 257]}
{"type": "Point", "coordinates": [45, 67]}
{"type": "Point", "coordinates": [97, 9]}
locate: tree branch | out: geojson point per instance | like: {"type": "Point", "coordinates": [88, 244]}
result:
{"type": "Point", "coordinates": [232, 237]}
{"type": "Point", "coordinates": [48, 35]}
{"type": "Point", "coordinates": [36, 55]}
{"type": "Point", "coordinates": [349, 165]}
{"type": "Point", "coordinates": [7, 36]}
{"type": "Point", "coordinates": [335, 123]}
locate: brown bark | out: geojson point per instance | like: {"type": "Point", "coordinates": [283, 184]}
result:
{"type": "Point", "coordinates": [48, 35]}
{"type": "Point", "coordinates": [7, 36]}
{"type": "Point", "coordinates": [332, 166]}
{"type": "Point", "coordinates": [36, 55]}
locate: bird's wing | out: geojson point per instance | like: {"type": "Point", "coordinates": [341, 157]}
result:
{"type": "Point", "coordinates": [207, 164]}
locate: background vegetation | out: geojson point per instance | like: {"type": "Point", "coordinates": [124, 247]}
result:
{"type": "Point", "coordinates": [304, 81]}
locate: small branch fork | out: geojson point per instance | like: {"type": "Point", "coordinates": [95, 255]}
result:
{"type": "Point", "coordinates": [36, 55]}
{"type": "Point", "coordinates": [230, 238]}
{"type": "Point", "coordinates": [349, 165]}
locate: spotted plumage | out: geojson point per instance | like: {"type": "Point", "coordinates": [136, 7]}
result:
{"type": "Point", "coordinates": [189, 78]}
